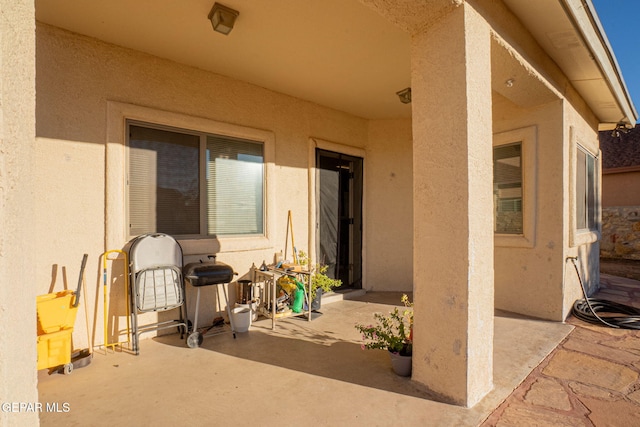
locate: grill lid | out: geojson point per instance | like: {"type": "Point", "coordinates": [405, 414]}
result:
{"type": "Point", "coordinates": [207, 273]}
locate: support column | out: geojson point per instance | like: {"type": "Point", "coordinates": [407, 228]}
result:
{"type": "Point", "coordinates": [18, 375]}
{"type": "Point", "coordinates": [453, 207]}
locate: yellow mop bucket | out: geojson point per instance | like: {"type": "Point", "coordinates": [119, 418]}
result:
{"type": "Point", "coordinates": [56, 317]}
{"type": "Point", "coordinates": [54, 350]}
{"type": "Point", "coordinates": [56, 311]}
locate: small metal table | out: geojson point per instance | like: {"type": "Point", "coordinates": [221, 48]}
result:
{"type": "Point", "coordinates": [269, 279]}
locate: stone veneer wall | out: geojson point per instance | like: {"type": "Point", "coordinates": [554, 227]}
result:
{"type": "Point", "coordinates": [621, 232]}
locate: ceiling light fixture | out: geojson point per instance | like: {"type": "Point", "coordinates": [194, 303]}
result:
{"type": "Point", "coordinates": [405, 95]}
{"type": "Point", "coordinates": [223, 18]}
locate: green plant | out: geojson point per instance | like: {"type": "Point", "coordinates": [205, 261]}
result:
{"type": "Point", "coordinates": [319, 278]}
{"type": "Point", "coordinates": [393, 332]}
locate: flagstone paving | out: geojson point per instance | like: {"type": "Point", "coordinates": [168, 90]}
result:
{"type": "Point", "coordinates": [591, 379]}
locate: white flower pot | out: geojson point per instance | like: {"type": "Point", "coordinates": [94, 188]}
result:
{"type": "Point", "coordinates": [401, 364]}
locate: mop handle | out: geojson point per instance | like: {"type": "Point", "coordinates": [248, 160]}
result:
{"type": "Point", "coordinates": [84, 263]}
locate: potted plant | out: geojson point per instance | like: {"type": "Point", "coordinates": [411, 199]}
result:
{"type": "Point", "coordinates": [392, 332]}
{"type": "Point", "coordinates": [320, 282]}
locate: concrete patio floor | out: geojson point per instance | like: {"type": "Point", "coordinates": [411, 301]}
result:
{"type": "Point", "coordinates": [302, 373]}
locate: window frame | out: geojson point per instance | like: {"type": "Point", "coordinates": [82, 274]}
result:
{"type": "Point", "coordinates": [526, 137]}
{"type": "Point", "coordinates": [116, 169]}
{"type": "Point", "coordinates": [583, 236]}
{"type": "Point", "coordinates": [499, 202]}
{"type": "Point", "coordinates": [204, 232]}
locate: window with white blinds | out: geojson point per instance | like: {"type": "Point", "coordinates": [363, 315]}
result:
{"type": "Point", "coordinates": [234, 186]}
{"type": "Point", "coordinates": [169, 194]}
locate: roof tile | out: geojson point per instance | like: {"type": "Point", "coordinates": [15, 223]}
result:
{"type": "Point", "coordinates": [620, 152]}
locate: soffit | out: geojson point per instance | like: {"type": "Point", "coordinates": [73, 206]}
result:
{"type": "Point", "coordinates": [512, 78]}
{"type": "Point", "coordinates": [572, 36]}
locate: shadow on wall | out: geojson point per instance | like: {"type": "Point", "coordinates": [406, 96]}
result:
{"type": "Point", "coordinates": [54, 278]}
{"type": "Point", "coordinates": [53, 286]}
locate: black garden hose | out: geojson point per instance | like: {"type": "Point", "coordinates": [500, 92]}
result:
{"type": "Point", "coordinates": [586, 311]}
{"type": "Point", "coordinates": [618, 315]}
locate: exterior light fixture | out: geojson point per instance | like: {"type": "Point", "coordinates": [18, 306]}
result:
{"type": "Point", "coordinates": [619, 130]}
{"type": "Point", "coordinates": [405, 95]}
{"type": "Point", "coordinates": [222, 18]}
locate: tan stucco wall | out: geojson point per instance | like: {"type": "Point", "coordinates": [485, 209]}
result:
{"type": "Point", "coordinates": [389, 168]}
{"type": "Point", "coordinates": [80, 80]}
{"type": "Point", "coordinates": [528, 280]}
{"type": "Point", "coordinates": [18, 241]}
{"type": "Point", "coordinates": [537, 281]}
{"type": "Point", "coordinates": [621, 189]}
{"type": "Point", "coordinates": [580, 128]}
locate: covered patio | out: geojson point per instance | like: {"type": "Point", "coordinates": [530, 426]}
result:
{"type": "Point", "coordinates": [301, 373]}
{"type": "Point", "coordinates": [530, 80]}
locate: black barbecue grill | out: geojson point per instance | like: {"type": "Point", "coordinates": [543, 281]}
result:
{"type": "Point", "coordinates": [207, 273]}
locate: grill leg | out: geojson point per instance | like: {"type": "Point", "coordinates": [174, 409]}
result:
{"type": "Point", "coordinates": [195, 338]}
{"type": "Point", "coordinates": [195, 319]}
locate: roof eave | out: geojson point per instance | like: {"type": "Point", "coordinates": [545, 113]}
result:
{"type": "Point", "coordinates": [586, 21]}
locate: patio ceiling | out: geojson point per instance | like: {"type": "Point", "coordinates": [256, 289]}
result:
{"type": "Point", "coordinates": [337, 53]}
